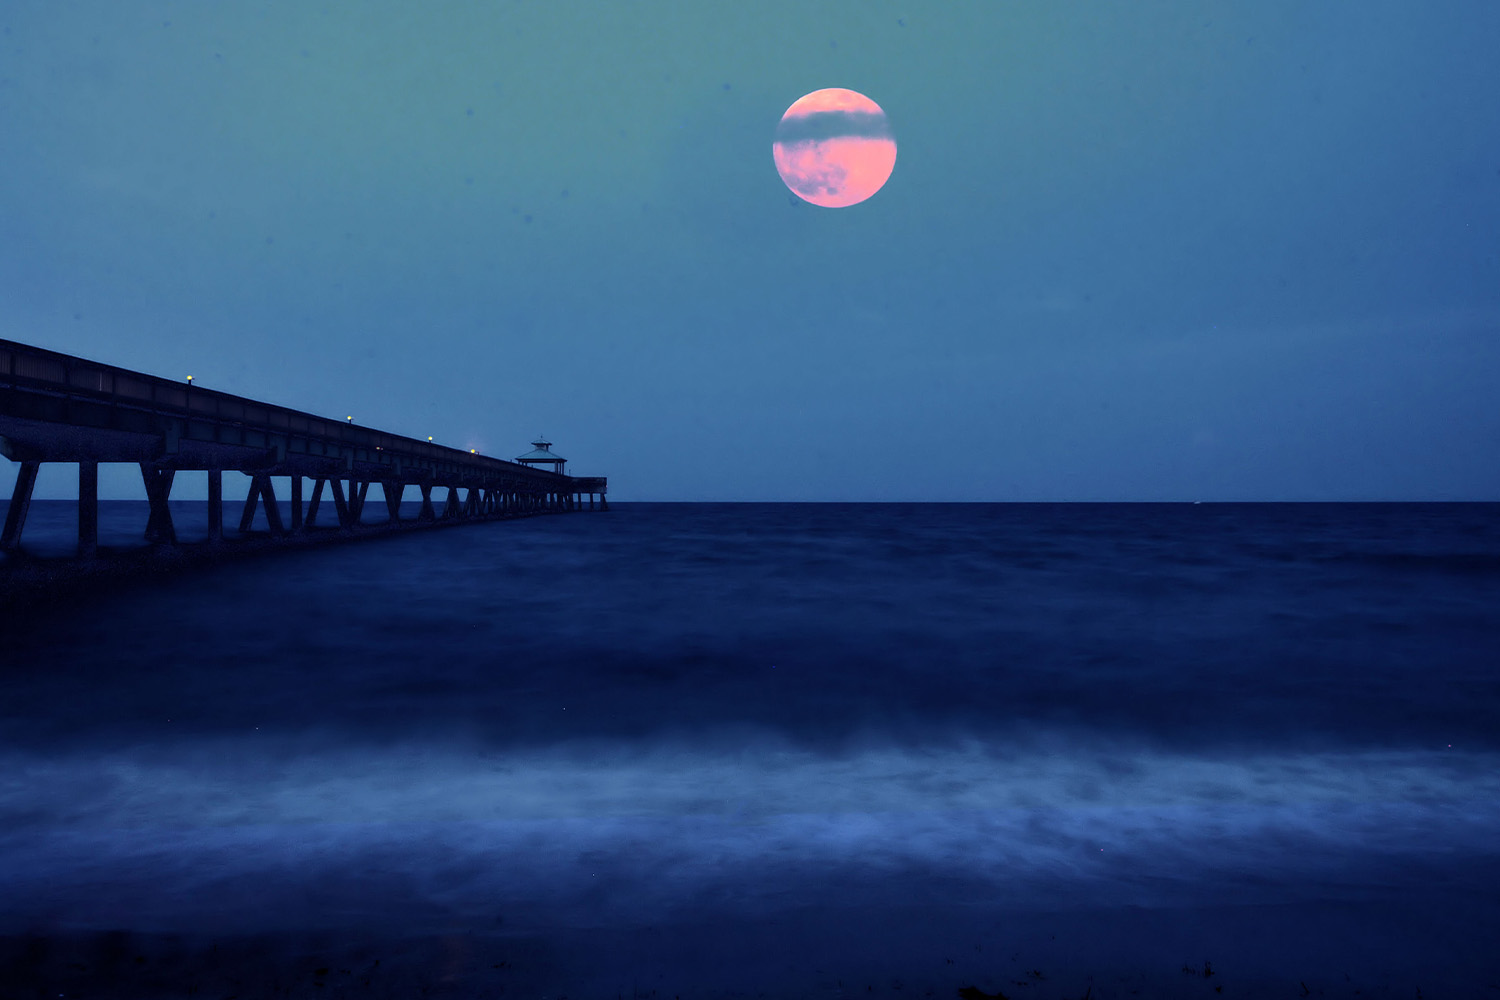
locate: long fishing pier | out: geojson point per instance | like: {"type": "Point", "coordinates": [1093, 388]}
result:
{"type": "Point", "coordinates": [59, 408]}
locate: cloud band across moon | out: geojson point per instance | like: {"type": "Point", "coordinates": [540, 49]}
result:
{"type": "Point", "coordinates": [818, 126]}
{"type": "Point", "coordinates": [834, 147]}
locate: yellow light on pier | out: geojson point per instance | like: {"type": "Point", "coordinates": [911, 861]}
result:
{"type": "Point", "coordinates": [350, 419]}
{"type": "Point", "coordinates": [190, 380]}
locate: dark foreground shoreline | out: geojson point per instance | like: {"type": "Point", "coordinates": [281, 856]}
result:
{"type": "Point", "coordinates": [1320, 950]}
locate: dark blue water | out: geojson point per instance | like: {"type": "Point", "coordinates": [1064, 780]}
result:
{"type": "Point", "coordinates": [926, 744]}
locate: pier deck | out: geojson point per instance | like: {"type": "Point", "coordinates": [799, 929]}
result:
{"type": "Point", "coordinates": [59, 408]}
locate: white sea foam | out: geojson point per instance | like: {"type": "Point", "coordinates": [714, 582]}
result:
{"type": "Point", "coordinates": [594, 831]}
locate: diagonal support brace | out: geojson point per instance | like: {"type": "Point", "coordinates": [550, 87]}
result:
{"type": "Point", "coordinates": [20, 503]}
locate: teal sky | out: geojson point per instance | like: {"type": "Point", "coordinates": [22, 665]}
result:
{"type": "Point", "coordinates": [1129, 251]}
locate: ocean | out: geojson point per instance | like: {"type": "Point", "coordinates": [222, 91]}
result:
{"type": "Point", "coordinates": [692, 750]}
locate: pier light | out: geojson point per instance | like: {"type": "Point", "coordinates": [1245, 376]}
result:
{"type": "Point", "coordinates": [429, 437]}
{"type": "Point", "coordinates": [350, 418]}
{"type": "Point", "coordinates": [190, 380]}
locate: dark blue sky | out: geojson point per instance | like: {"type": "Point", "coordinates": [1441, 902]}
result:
{"type": "Point", "coordinates": [1147, 251]}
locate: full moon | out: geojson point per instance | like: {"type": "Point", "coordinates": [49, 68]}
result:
{"type": "Point", "coordinates": [834, 148]}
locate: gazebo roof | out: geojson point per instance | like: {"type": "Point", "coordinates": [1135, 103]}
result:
{"type": "Point", "coordinates": [540, 455]}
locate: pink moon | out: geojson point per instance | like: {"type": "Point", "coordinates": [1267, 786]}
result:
{"type": "Point", "coordinates": [834, 148]}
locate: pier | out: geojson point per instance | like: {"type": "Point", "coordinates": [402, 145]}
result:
{"type": "Point", "coordinates": [59, 408]}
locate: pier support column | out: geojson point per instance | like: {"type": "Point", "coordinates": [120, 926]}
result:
{"type": "Point", "coordinates": [88, 509]}
{"type": "Point", "coordinates": [273, 512]}
{"type": "Point", "coordinates": [215, 505]}
{"type": "Point", "coordinates": [296, 503]}
{"type": "Point", "coordinates": [261, 489]}
{"type": "Point", "coordinates": [312, 505]}
{"type": "Point", "coordinates": [20, 503]}
{"type": "Point", "coordinates": [336, 487]}
{"type": "Point", "coordinates": [357, 493]}
{"type": "Point", "coordinates": [247, 514]}
{"type": "Point", "coordinates": [450, 505]}
{"type": "Point", "coordinates": [159, 529]}
{"type": "Point", "coordinates": [393, 493]}
{"type": "Point", "coordinates": [427, 512]}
